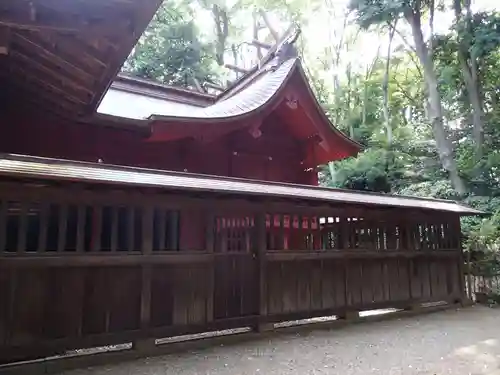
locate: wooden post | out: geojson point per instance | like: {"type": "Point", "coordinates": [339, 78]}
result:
{"type": "Point", "coordinates": [461, 273]}
{"type": "Point", "coordinates": [146, 271]}
{"type": "Point", "coordinates": [210, 247]}
{"type": "Point", "coordinates": [469, 278]}
{"type": "Point", "coordinates": [260, 253]}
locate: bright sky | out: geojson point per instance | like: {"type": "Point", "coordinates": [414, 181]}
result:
{"type": "Point", "coordinates": [321, 30]}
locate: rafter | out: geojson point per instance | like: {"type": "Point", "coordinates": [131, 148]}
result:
{"type": "Point", "coordinates": [19, 81]}
{"type": "Point", "coordinates": [260, 44]}
{"type": "Point", "coordinates": [213, 86]}
{"type": "Point", "coordinates": [69, 87]}
{"type": "Point", "coordinates": [71, 49]}
{"type": "Point", "coordinates": [236, 68]}
{"type": "Point", "coordinates": [33, 15]}
{"type": "Point", "coordinates": [54, 61]}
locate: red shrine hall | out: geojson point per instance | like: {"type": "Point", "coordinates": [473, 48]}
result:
{"type": "Point", "coordinates": [166, 211]}
{"type": "Point", "coordinates": [267, 126]}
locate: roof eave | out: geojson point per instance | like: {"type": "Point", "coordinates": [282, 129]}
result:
{"type": "Point", "coordinates": [357, 146]}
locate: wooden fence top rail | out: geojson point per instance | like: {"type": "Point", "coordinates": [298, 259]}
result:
{"type": "Point", "coordinates": [54, 169]}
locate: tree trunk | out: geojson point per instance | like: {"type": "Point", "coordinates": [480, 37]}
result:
{"type": "Point", "coordinates": [385, 84]}
{"type": "Point", "coordinates": [222, 31]}
{"type": "Point", "coordinates": [331, 170]}
{"type": "Point", "coordinates": [434, 108]}
{"type": "Point", "coordinates": [469, 70]}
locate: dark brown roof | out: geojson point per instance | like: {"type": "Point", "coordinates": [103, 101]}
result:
{"type": "Point", "coordinates": [25, 166]}
{"type": "Point", "coordinates": [63, 55]}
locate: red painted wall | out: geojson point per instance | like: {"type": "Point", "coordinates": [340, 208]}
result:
{"type": "Point", "coordinates": [274, 156]}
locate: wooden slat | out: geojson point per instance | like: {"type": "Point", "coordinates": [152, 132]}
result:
{"type": "Point", "coordinates": [63, 225]}
{"type": "Point", "coordinates": [71, 259]}
{"type": "Point", "coordinates": [24, 66]}
{"type": "Point", "coordinates": [22, 229]}
{"type": "Point", "coordinates": [131, 229]}
{"type": "Point", "coordinates": [210, 247]}
{"type": "Point", "coordinates": [44, 226]}
{"type": "Point", "coordinates": [3, 225]}
{"type": "Point", "coordinates": [162, 230]}
{"type": "Point", "coordinates": [260, 231]}
{"type": "Point", "coordinates": [282, 232]}
{"type": "Point", "coordinates": [114, 228]}
{"type": "Point", "coordinates": [96, 228]}
{"type": "Point", "coordinates": [44, 51]}
{"type": "Point", "coordinates": [173, 239]}
{"type": "Point", "coordinates": [147, 230]}
{"type": "Point", "coordinates": [145, 314]}
{"type": "Point", "coordinates": [80, 229]}
{"type": "Point", "coordinates": [347, 253]}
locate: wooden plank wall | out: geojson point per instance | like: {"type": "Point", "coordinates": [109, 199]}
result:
{"type": "Point", "coordinates": [82, 268]}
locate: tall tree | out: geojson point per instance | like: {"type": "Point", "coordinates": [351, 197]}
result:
{"type": "Point", "coordinates": [468, 64]}
{"type": "Point", "coordinates": [387, 119]}
{"type": "Point", "coordinates": [371, 12]}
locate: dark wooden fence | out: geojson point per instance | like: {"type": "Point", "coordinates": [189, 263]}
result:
{"type": "Point", "coordinates": [90, 267]}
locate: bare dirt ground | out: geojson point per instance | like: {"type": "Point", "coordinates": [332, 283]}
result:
{"type": "Point", "coordinates": [461, 342]}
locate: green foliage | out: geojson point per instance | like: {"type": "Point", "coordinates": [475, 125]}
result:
{"type": "Point", "coordinates": [174, 50]}
{"type": "Point", "coordinates": [171, 51]}
{"type": "Point", "coordinates": [372, 12]}
{"type": "Point", "coordinates": [376, 170]}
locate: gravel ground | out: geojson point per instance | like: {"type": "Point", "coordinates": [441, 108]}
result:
{"type": "Point", "coordinates": [460, 342]}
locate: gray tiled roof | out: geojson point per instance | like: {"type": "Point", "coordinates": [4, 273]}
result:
{"type": "Point", "coordinates": [255, 95]}
{"type": "Point", "coordinates": [27, 166]}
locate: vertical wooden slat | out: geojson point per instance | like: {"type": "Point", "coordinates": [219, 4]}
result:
{"type": "Point", "coordinates": [223, 233]}
{"type": "Point", "coordinates": [23, 227]}
{"type": "Point", "coordinates": [300, 232]}
{"type": "Point", "coordinates": [162, 229]}
{"type": "Point", "coordinates": [260, 230]}
{"type": "Point", "coordinates": [461, 265]}
{"type": "Point", "coordinates": [282, 240]}
{"type": "Point", "coordinates": [63, 225]}
{"type": "Point", "coordinates": [147, 230]}
{"type": "Point", "coordinates": [96, 228]}
{"type": "Point", "coordinates": [407, 228]}
{"type": "Point", "coordinates": [310, 232]}
{"type": "Point", "coordinates": [146, 248]}
{"type": "Point", "coordinates": [131, 229]}
{"type": "Point", "coordinates": [80, 229]}
{"type": "Point", "coordinates": [210, 247]}
{"type": "Point", "coordinates": [3, 225]}
{"type": "Point", "coordinates": [344, 233]}
{"type": "Point", "coordinates": [114, 228]}
{"type": "Point", "coordinates": [173, 231]}
{"type": "Point", "coordinates": [44, 225]}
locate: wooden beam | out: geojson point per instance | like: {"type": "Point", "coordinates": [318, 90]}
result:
{"type": "Point", "coordinates": [52, 77]}
{"type": "Point", "coordinates": [24, 15]}
{"type": "Point", "coordinates": [70, 49]}
{"type": "Point", "coordinates": [33, 84]}
{"type": "Point", "coordinates": [44, 52]}
{"type": "Point", "coordinates": [273, 32]}
{"type": "Point", "coordinates": [213, 86]}
{"type": "Point", "coordinates": [260, 44]}
{"type": "Point", "coordinates": [237, 68]}
{"type": "Point", "coordinates": [198, 85]}
{"type": "Point", "coordinates": [97, 259]}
